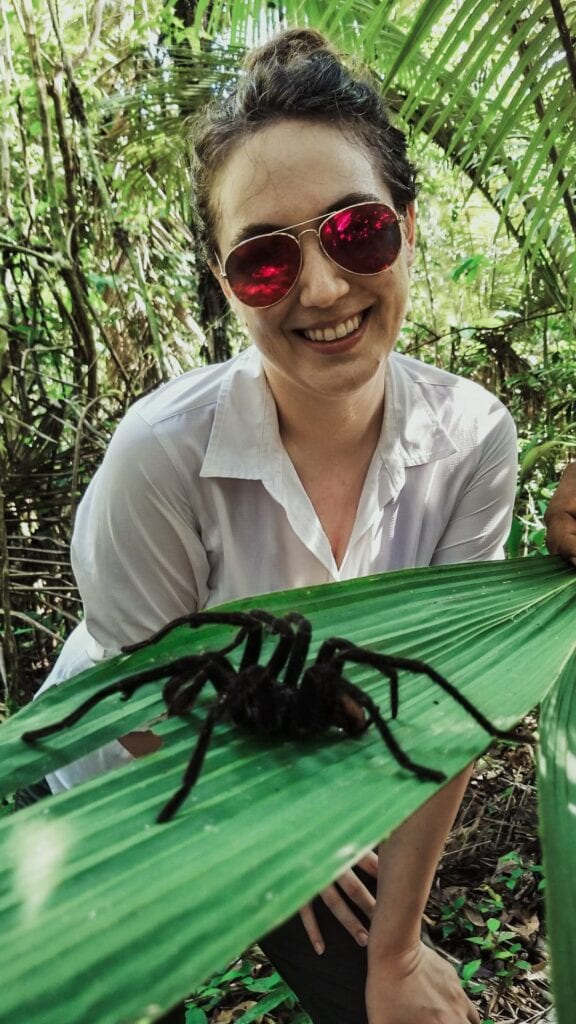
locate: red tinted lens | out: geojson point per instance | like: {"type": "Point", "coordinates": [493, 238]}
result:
{"type": "Point", "coordinates": [364, 239]}
{"type": "Point", "coordinates": [262, 270]}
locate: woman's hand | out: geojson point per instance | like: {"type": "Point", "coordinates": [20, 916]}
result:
{"type": "Point", "coordinates": [357, 892]}
{"type": "Point", "coordinates": [416, 986]}
{"type": "Point", "coordinates": [560, 517]}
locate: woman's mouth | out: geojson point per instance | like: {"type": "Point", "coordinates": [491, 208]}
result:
{"type": "Point", "coordinates": [336, 331]}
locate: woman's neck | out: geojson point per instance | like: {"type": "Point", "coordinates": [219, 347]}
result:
{"type": "Point", "coordinates": [331, 442]}
{"type": "Point", "coordinates": [345, 424]}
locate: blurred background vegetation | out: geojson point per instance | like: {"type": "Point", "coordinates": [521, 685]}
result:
{"type": "Point", "coordinates": [102, 295]}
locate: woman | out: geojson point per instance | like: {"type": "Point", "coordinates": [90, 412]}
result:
{"type": "Point", "coordinates": [560, 517]}
{"type": "Point", "coordinates": [316, 455]}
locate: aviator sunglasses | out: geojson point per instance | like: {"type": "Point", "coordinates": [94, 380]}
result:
{"type": "Point", "coordinates": [363, 239]}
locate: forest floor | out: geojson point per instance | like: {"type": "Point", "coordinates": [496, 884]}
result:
{"type": "Point", "coordinates": [485, 912]}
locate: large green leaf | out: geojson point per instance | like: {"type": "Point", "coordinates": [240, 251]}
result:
{"type": "Point", "coordinates": [557, 801]}
{"type": "Point", "coordinates": [106, 914]}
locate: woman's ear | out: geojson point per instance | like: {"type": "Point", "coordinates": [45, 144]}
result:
{"type": "Point", "coordinates": [222, 281]}
{"type": "Point", "coordinates": [409, 232]}
{"type": "Point", "coordinates": [235, 306]}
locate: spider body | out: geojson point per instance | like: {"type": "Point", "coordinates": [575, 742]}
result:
{"type": "Point", "coordinates": [281, 696]}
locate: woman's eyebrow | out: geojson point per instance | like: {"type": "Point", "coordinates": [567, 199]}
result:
{"type": "Point", "coordinates": [252, 230]}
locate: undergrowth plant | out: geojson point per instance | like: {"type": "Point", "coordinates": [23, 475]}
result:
{"type": "Point", "coordinates": [481, 922]}
{"type": "Point", "coordinates": [246, 980]}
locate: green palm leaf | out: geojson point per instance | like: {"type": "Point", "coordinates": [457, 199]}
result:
{"type": "Point", "coordinates": [118, 914]}
{"type": "Point", "coordinates": [557, 801]}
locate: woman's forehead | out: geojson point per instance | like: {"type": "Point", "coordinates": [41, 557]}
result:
{"type": "Point", "coordinates": [287, 173]}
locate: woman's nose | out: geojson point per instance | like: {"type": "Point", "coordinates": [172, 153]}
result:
{"type": "Point", "coordinates": [321, 282]}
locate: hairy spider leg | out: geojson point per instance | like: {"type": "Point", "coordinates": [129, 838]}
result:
{"type": "Point", "coordinates": [300, 648]}
{"type": "Point", "coordinates": [126, 688]}
{"type": "Point", "coordinates": [198, 619]}
{"type": "Point", "coordinates": [375, 718]}
{"type": "Point", "coordinates": [422, 668]}
{"type": "Point", "coordinates": [182, 690]}
{"type": "Point", "coordinates": [194, 767]}
{"type": "Point", "coordinates": [282, 651]}
{"type": "Point", "coordinates": [324, 685]}
{"type": "Point", "coordinates": [223, 677]}
{"type": "Point", "coordinates": [338, 650]}
{"type": "Point", "coordinates": [32, 735]}
{"type": "Point", "coordinates": [255, 638]}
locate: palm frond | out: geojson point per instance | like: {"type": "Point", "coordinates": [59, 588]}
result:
{"type": "Point", "coordinates": [94, 890]}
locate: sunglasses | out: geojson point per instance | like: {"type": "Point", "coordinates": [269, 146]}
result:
{"type": "Point", "coordinates": [362, 239]}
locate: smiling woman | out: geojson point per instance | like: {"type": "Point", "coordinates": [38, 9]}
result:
{"type": "Point", "coordinates": [318, 454]}
{"type": "Point", "coordinates": [302, 169]}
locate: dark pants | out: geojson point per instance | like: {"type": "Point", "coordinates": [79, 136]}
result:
{"type": "Point", "coordinates": [330, 987]}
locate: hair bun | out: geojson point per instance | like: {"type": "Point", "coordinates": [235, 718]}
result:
{"type": "Point", "coordinates": [298, 76]}
{"type": "Point", "coordinates": [291, 46]}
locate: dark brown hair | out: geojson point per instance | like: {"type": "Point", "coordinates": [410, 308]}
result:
{"type": "Point", "coordinates": [297, 75]}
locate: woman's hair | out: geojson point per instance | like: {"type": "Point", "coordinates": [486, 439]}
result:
{"type": "Point", "coordinates": [297, 76]}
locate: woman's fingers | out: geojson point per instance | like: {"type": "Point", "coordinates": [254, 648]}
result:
{"type": "Point", "coordinates": [356, 892]}
{"type": "Point", "coordinates": [342, 912]}
{"type": "Point", "coordinates": [308, 918]}
{"type": "Point", "coordinates": [369, 863]}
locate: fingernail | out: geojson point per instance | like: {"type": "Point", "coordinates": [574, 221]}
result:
{"type": "Point", "coordinates": [319, 948]}
{"type": "Point", "coordinates": [362, 938]}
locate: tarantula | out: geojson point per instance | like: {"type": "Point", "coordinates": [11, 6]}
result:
{"type": "Point", "coordinates": [281, 697]}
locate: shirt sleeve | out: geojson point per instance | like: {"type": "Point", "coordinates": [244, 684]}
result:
{"type": "Point", "coordinates": [136, 551]}
{"type": "Point", "coordinates": [480, 522]}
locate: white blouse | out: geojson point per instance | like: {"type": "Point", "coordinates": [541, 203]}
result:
{"type": "Point", "coordinates": [197, 503]}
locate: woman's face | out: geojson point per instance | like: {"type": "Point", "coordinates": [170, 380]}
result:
{"type": "Point", "coordinates": [290, 173]}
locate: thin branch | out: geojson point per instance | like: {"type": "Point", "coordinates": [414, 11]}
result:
{"type": "Point", "coordinates": [46, 135]}
{"type": "Point", "coordinates": [552, 152]}
{"type": "Point", "coordinates": [9, 649]}
{"type": "Point", "coordinates": [565, 38]}
{"type": "Point", "coordinates": [28, 194]}
{"type": "Point", "coordinates": [6, 69]}
{"type": "Point", "coordinates": [36, 624]}
{"type": "Point", "coordinates": [56, 259]}
{"type": "Point", "coordinates": [98, 12]}
{"type": "Point", "coordinates": [54, 90]}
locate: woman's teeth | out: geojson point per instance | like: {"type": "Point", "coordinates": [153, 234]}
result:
{"type": "Point", "coordinates": [334, 333]}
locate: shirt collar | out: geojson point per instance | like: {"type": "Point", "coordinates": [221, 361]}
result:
{"type": "Point", "coordinates": [244, 439]}
{"type": "Point", "coordinates": [245, 443]}
{"type": "Point", "coordinates": [412, 432]}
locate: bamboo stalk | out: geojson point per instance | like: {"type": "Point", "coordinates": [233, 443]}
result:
{"type": "Point", "coordinates": [45, 125]}
{"type": "Point", "coordinates": [6, 71]}
{"type": "Point", "coordinates": [78, 112]}
{"type": "Point", "coordinates": [9, 678]}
